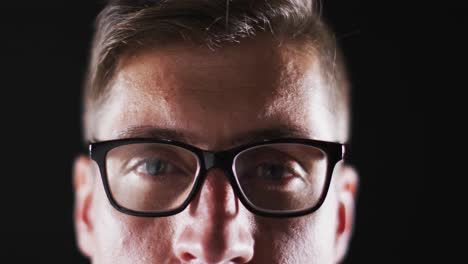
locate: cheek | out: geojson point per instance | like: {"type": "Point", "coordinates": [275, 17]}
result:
{"type": "Point", "coordinates": [122, 238]}
{"type": "Point", "coordinates": [301, 239]}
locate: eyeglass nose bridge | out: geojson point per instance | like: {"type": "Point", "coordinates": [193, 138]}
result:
{"type": "Point", "coordinates": [221, 160]}
{"type": "Point", "coordinates": [209, 159]}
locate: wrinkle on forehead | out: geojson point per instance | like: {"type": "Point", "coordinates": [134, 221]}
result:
{"type": "Point", "coordinates": [194, 88]}
{"type": "Point", "coordinates": [202, 73]}
{"type": "Point", "coordinates": [258, 58]}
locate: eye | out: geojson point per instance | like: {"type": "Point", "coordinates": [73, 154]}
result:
{"type": "Point", "coordinates": [155, 167]}
{"type": "Point", "coordinates": [272, 171]}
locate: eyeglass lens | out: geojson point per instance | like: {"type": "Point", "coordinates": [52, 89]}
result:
{"type": "Point", "coordinates": [155, 177]}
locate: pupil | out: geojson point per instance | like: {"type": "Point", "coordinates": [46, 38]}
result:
{"type": "Point", "coordinates": [154, 167]}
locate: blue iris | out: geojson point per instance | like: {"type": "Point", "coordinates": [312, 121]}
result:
{"type": "Point", "coordinates": [155, 167]}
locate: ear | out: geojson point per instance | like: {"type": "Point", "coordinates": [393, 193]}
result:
{"type": "Point", "coordinates": [346, 187]}
{"type": "Point", "coordinates": [83, 183]}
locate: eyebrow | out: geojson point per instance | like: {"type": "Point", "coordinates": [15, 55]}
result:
{"type": "Point", "coordinates": [270, 133]}
{"type": "Point", "coordinates": [279, 131]}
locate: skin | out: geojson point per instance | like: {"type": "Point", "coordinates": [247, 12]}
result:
{"type": "Point", "coordinates": [215, 100]}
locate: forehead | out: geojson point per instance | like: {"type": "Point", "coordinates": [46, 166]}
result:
{"type": "Point", "coordinates": [217, 94]}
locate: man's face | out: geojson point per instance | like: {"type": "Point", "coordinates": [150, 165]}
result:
{"type": "Point", "coordinates": [215, 100]}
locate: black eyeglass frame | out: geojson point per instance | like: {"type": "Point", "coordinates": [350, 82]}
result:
{"type": "Point", "coordinates": [223, 160]}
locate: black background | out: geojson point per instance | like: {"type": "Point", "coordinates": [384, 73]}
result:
{"type": "Point", "coordinates": [44, 49]}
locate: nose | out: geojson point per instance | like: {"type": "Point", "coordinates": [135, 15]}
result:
{"type": "Point", "coordinates": [214, 230]}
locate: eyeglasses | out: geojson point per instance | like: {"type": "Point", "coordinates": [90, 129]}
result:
{"type": "Point", "coordinates": [275, 178]}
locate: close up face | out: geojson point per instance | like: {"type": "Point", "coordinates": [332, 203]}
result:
{"type": "Point", "coordinates": [215, 100]}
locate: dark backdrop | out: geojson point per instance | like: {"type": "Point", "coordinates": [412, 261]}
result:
{"type": "Point", "coordinates": [44, 48]}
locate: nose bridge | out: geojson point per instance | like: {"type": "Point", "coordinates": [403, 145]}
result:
{"type": "Point", "coordinates": [218, 165]}
{"type": "Point", "coordinates": [216, 196]}
{"type": "Point", "coordinates": [218, 231]}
